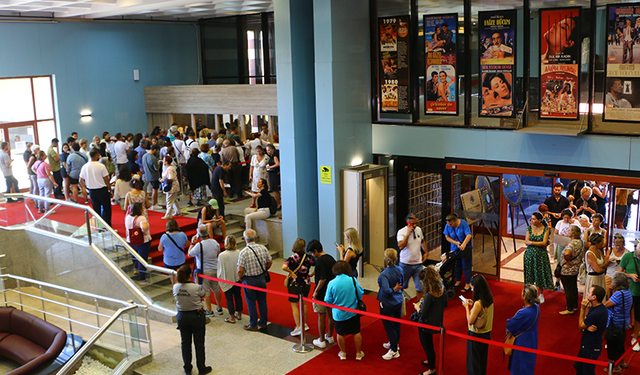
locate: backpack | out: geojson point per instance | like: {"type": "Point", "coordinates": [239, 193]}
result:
{"type": "Point", "coordinates": [273, 207]}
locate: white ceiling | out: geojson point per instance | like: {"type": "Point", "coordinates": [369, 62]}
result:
{"type": "Point", "coordinates": [186, 10]}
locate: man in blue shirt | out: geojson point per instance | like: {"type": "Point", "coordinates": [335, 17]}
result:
{"type": "Point", "coordinates": [458, 233]}
{"type": "Point", "coordinates": [75, 162]}
{"type": "Point", "coordinates": [593, 323]}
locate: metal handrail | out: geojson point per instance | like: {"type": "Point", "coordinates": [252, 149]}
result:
{"type": "Point", "coordinates": [85, 348]}
{"type": "Point", "coordinates": [115, 234]}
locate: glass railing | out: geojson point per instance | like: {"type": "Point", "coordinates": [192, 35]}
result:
{"type": "Point", "coordinates": [114, 340]}
{"type": "Point", "coordinates": [81, 225]}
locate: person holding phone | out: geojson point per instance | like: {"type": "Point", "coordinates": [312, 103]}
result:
{"type": "Point", "coordinates": [458, 233]}
{"type": "Point", "coordinates": [412, 244]}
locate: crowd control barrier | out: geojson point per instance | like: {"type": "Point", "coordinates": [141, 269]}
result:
{"type": "Point", "coordinates": [443, 332]}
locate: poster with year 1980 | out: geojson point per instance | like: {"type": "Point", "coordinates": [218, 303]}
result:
{"type": "Point", "coordinates": [394, 64]}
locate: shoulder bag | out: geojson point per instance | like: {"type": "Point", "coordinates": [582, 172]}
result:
{"type": "Point", "coordinates": [511, 339]}
{"type": "Point", "coordinates": [174, 242]}
{"type": "Point", "coordinates": [267, 276]}
{"type": "Point", "coordinates": [286, 279]}
{"type": "Point", "coordinates": [136, 236]}
{"type": "Point", "coordinates": [361, 305]}
{"type": "Point", "coordinates": [481, 321]}
{"type": "Point", "coordinates": [199, 271]}
{"type": "Point", "coordinates": [613, 332]}
{"type": "Point", "coordinates": [558, 271]}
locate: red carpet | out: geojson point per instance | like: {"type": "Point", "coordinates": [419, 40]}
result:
{"type": "Point", "coordinates": [557, 334]}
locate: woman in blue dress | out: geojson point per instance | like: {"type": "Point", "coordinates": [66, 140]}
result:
{"type": "Point", "coordinates": [524, 325]}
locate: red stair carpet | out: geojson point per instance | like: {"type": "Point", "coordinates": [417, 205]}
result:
{"type": "Point", "coordinates": [557, 334]}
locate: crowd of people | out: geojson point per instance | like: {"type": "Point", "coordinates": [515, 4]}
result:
{"type": "Point", "coordinates": [172, 161]}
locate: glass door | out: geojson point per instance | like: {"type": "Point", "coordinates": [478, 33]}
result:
{"type": "Point", "coordinates": [476, 199]}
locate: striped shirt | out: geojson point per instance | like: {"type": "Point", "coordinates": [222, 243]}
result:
{"type": "Point", "coordinates": [617, 314]}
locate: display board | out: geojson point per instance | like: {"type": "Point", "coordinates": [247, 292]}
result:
{"type": "Point", "coordinates": [394, 64]}
{"type": "Point", "coordinates": [559, 59]}
{"type": "Point", "coordinates": [440, 43]}
{"type": "Point", "coordinates": [622, 83]}
{"type": "Point", "coordinates": [497, 62]}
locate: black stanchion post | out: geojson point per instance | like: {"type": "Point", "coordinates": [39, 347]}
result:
{"type": "Point", "coordinates": [441, 362]}
{"type": "Point", "coordinates": [302, 347]}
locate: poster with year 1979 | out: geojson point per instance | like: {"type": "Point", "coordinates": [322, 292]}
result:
{"type": "Point", "coordinates": [394, 64]}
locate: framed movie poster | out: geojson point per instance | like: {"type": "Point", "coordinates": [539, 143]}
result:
{"type": "Point", "coordinates": [440, 45]}
{"type": "Point", "coordinates": [559, 63]}
{"type": "Point", "coordinates": [497, 62]}
{"type": "Point", "coordinates": [622, 83]}
{"type": "Point", "coordinates": [394, 64]}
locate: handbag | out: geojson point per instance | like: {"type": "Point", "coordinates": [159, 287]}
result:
{"type": "Point", "coordinates": [288, 277]}
{"type": "Point", "coordinates": [558, 271]}
{"type": "Point", "coordinates": [511, 339]}
{"type": "Point", "coordinates": [166, 186]}
{"type": "Point", "coordinates": [361, 305]}
{"type": "Point", "coordinates": [613, 332]}
{"type": "Point", "coordinates": [136, 236]}
{"type": "Point", "coordinates": [267, 276]}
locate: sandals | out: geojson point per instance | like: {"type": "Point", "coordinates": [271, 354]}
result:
{"type": "Point", "coordinates": [464, 290]}
{"type": "Point", "coordinates": [238, 316]}
{"type": "Point", "coordinates": [228, 320]}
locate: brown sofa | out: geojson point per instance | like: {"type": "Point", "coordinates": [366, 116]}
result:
{"type": "Point", "coordinates": [28, 340]}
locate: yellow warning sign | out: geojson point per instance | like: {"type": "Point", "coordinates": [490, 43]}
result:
{"type": "Point", "coordinates": [325, 174]}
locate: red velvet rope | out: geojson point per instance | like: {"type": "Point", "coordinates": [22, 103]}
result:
{"type": "Point", "coordinates": [421, 325]}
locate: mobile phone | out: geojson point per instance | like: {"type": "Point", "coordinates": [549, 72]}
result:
{"type": "Point", "coordinates": [462, 299]}
{"type": "Point", "coordinates": [335, 243]}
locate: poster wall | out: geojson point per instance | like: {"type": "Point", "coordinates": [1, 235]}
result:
{"type": "Point", "coordinates": [440, 41]}
{"type": "Point", "coordinates": [559, 58]}
{"type": "Point", "coordinates": [394, 64]}
{"type": "Point", "coordinates": [622, 83]}
{"type": "Point", "coordinates": [497, 62]}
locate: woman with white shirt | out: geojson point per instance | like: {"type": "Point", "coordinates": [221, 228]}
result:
{"type": "Point", "coordinates": [227, 270]}
{"type": "Point", "coordinates": [562, 229]}
{"type": "Point", "coordinates": [617, 251]}
{"type": "Point", "coordinates": [134, 222]}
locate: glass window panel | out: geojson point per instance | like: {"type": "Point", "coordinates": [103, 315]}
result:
{"type": "Point", "coordinates": [18, 138]}
{"type": "Point", "coordinates": [16, 103]}
{"type": "Point", "coordinates": [46, 132]}
{"type": "Point", "coordinates": [43, 97]}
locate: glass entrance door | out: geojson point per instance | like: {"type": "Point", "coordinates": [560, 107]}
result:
{"type": "Point", "coordinates": [18, 137]}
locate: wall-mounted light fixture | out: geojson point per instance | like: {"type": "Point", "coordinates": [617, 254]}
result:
{"type": "Point", "coordinates": [85, 116]}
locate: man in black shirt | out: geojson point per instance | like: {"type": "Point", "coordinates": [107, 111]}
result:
{"type": "Point", "coordinates": [556, 203]}
{"type": "Point", "coordinates": [324, 274]}
{"type": "Point", "coordinates": [585, 204]}
{"type": "Point", "coordinates": [592, 323]}
{"type": "Point", "coordinates": [217, 185]}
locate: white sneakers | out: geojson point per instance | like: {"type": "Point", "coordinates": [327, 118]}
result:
{"type": "Point", "coordinates": [319, 344]}
{"type": "Point", "coordinates": [387, 345]}
{"type": "Point", "coordinates": [636, 344]}
{"type": "Point", "coordinates": [541, 298]}
{"type": "Point", "coordinates": [329, 339]}
{"type": "Point", "coordinates": [296, 332]}
{"type": "Point", "coordinates": [390, 355]}
{"type": "Point", "coordinates": [359, 356]}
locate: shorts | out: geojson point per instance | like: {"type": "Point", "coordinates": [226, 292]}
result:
{"type": "Point", "coordinates": [209, 285]}
{"type": "Point", "coordinates": [74, 181]}
{"type": "Point", "coordinates": [298, 290]}
{"type": "Point", "coordinates": [350, 326]}
{"type": "Point", "coordinates": [214, 225]}
{"type": "Point", "coordinates": [155, 185]}
{"type": "Point", "coordinates": [320, 309]}
{"type": "Point", "coordinates": [636, 305]}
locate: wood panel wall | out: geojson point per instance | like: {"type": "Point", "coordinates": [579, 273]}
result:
{"type": "Point", "coordinates": [212, 99]}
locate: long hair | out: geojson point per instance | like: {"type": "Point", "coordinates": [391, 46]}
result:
{"type": "Point", "coordinates": [481, 291]}
{"type": "Point", "coordinates": [353, 240]}
{"type": "Point", "coordinates": [432, 281]}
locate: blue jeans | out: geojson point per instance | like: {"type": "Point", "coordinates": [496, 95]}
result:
{"type": "Point", "coordinates": [392, 328]}
{"type": "Point", "coordinates": [143, 251]}
{"type": "Point", "coordinates": [409, 271]}
{"type": "Point", "coordinates": [252, 296]}
{"type": "Point", "coordinates": [464, 265]}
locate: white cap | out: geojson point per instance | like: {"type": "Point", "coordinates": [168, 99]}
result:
{"type": "Point", "coordinates": [35, 147]}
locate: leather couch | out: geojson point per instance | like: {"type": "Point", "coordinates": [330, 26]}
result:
{"type": "Point", "coordinates": [28, 340]}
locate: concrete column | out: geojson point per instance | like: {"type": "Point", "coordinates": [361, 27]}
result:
{"type": "Point", "coordinates": [294, 36]}
{"type": "Point", "coordinates": [343, 97]}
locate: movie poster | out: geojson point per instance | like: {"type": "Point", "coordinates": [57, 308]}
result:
{"type": "Point", "coordinates": [559, 58]}
{"type": "Point", "coordinates": [622, 92]}
{"type": "Point", "coordinates": [497, 62]}
{"type": "Point", "coordinates": [441, 55]}
{"type": "Point", "coordinates": [394, 64]}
